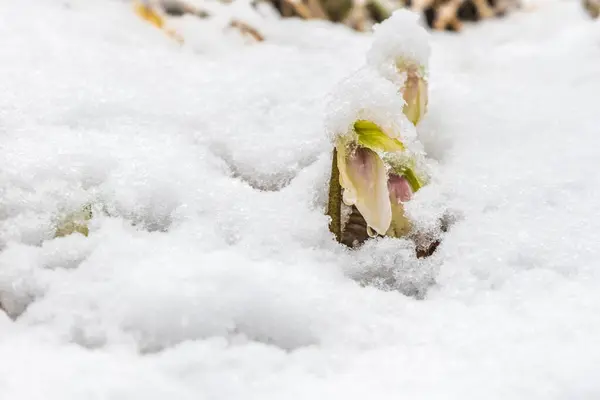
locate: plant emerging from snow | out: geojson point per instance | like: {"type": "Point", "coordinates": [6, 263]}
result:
{"type": "Point", "coordinates": [75, 222]}
{"type": "Point", "coordinates": [400, 53]}
{"type": "Point", "coordinates": [374, 177]}
{"type": "Point", "coordinates": [378, 160]}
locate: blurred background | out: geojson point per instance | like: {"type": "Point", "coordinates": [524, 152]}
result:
{"type": "Point", "coordinates": [247, 16]}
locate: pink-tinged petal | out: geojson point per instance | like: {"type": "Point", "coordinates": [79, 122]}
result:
{"type": "Point", "coordinates": [399, 188]}
{"type": "Point", "coordinates": [364, 179]}
{"type": "Point", "coordinates": [399, 192]}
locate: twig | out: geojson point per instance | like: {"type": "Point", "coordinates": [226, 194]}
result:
{"type": "Point", "coordinates": [246, 29]}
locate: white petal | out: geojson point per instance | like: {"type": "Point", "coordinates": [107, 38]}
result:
{"type": "Point", "coordinates": [366, 181]}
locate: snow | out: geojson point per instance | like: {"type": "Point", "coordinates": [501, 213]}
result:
{"type": "Point", "coordinates": [400, 38]}
{"type": "Point", "coordinates": [209, 271]}
{"type": "Point", "coordinates": [367, 95]}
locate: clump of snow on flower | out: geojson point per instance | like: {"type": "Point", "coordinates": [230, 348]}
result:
{"type": "Point", "coordinates": [399, 38]}
{"type": "Point", "coordinates": [368, 96]}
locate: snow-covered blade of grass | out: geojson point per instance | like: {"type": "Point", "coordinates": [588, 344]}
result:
{"type": "Point", "coordinates": [209, 272]}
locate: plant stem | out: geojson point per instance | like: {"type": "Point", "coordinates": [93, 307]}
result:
{"type": "Point", "coordinates": [334, 203]}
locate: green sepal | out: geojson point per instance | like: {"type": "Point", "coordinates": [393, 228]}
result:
{"type": "Point", "coordinates": [372, 137]}
{"type": "Point", "coordinates": [414, 182]}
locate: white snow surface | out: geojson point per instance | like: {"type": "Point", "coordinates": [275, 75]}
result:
{"type": "Point", "coordinates": [212, 274]}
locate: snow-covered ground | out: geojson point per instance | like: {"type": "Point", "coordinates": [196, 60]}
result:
{"type": "Point", "coordinates": [212, 274]}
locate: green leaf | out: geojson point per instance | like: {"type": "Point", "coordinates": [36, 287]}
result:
{"type": "Point", "coordinates": [372, 137]}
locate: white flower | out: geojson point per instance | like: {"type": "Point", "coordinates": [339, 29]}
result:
{"type": "Point", "coordinates": [375, 182]}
